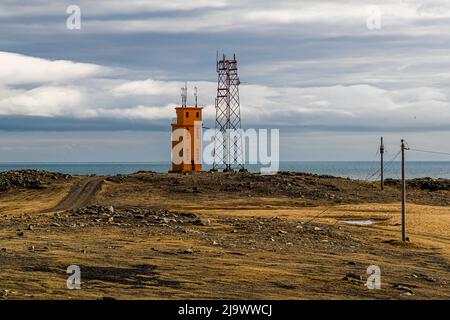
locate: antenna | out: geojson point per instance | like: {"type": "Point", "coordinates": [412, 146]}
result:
{"type": "Point", "coordinates": [184, 95]}
{"type": "Point", "coordinates": [217, 61]}
{"type": "Point", "coordinates": [196, 96]}
{"type": "Point", "coordinates": [228, 146]}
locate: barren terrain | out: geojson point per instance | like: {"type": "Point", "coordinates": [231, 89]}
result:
{"type": "Point", "coordinates": [244, 236]}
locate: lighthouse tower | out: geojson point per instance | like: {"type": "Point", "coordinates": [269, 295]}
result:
{"type": "Point", "coordinates": [187, 136]}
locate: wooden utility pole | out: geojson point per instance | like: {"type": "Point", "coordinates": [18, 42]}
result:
{"type": "Point", "coordinates": [382, 164]}
{"type": "Point", "coordinates": [403, 192]}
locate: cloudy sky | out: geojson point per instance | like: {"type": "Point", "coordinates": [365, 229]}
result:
{"type": "Point", "coordinates": [320, 71]}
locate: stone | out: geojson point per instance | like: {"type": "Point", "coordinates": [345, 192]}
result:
{"type": "Point", "coordinates": [353, 275]}
{"type": "Point", "coordinates": [30, 227]}
{"type": "Point", "coordinates": [403, 288]}
{"type": "Point", "coordinates": [202, 222]}
{"type": "Point", "coordinates": [20, 233]}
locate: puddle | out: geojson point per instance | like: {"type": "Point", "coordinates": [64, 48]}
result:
{"type": "Point", "coordinates": [359, 222]}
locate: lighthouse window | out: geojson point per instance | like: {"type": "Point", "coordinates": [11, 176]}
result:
{"type": "Point", "coordinates": [187, 114]}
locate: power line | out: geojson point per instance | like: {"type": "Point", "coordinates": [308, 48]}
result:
{"type": "Point", "coordinates": [388, 163]}
{"type": "Point", "coordinates": [317, 216]}
{"type": "Point", "coordinates": [428, 151]}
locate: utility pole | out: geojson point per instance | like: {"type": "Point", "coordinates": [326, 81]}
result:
{"type": "Point", "coordinates": [382, 163]}
{"type": "Point", "coordinates": [403, 192]}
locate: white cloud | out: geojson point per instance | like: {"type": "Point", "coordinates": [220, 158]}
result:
{"type": "Point", "coordinates": [102, 7]}
{"type": "Point", "coordinates": [147, 87]}
{"type": "Point", "coordinates": [336, 106]}
{"type": "Point", "coordinates": [19, 69]}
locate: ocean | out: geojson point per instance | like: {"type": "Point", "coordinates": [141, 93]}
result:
{"type": "Point", "coordinates": [361, 170]}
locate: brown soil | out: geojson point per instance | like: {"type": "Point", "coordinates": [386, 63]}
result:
{"type": "Point", "coordinates": [243, 236]}
{"type": "Point", "coordinates": [81, 194]}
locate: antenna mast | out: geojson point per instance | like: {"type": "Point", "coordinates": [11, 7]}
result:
{"type": "Point", "coordinates": [196, 96]}
{"type": "Point", "coordinates": [184, 95]}
{"type": "Point", "coordinates": [228, 148]}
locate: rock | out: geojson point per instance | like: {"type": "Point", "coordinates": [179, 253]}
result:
{"type": "Point", "coordinates": [27, 179]}
{"type": "Point", "coordinates": [187, 215]}
{"type": "Point", "coordinates": [54, 224]}
{"type": "Point", "coordinates": [215, 243]}
{"type": "Point", "coordinates": [202, 222]}
{"type": "Point", "coordinates": [165, 220]}
{"type": "Point", "coordinates": [352, 275]}
{"type": "Point", "coordinates": [281, 232]}
{"type": "Point", "coordinates": [403, 288]}
{"type": "Point", "coordinates": [4, 293]}
{"type": "Point", "coordinates": [20, 233]}
{"type": "Point", "coordinates": [110, 209]}
{"type": "Point", "coordinates": [31, 248]}
{"type": "Point", "coordinates": [188, 251]}
{"type": "Point", "coordinates": [317, 229]}
{"type": "Point", "coordinates": [30, 227]}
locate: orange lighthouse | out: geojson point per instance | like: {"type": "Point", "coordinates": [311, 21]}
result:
{"type": "Point", "coordinates": [187, 136]}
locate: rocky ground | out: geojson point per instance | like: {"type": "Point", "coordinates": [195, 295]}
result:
{"type": "Point", "coordinates": [173, 236]}
{"type": "Point", "coordinates": [28, 179]}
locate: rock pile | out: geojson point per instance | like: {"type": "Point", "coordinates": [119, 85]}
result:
{"type": "Point", "coordinates": [97, 215]}
{"type": "Point", "coordinates": [28, 179]}
{"type": "Point", "coordinates": [428, 184]}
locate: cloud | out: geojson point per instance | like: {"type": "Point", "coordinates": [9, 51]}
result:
{"type": "Point", "coordinates": [19, 69]}
{"type": "Point", "coordinates": [12, 8]}
{"type": "Point", "coordinates": [363, 107]}
{"type": "Point", "coordinates": [44, 101]}
{"type": "Point", "coordinates": [310, 65]}
{"type": "Point", "coordinates": [147, 87]}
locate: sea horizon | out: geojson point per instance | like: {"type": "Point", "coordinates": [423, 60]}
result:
{"type": "Point", "coordinates": [359, 170]}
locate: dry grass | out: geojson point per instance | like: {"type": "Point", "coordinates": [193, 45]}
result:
{"type": "Point", "coordinates": [138, 262]}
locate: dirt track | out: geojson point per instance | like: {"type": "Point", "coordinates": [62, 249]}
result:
{"type": "Point", "coordinates": [81, 194]}
{"type": "Point", "coordinates": [168, 236]}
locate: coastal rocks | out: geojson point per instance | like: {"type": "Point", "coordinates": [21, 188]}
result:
{"type": "Point", "coordinates": [428, 184]}
{"type": "Point", "coordinates": [28, 179]}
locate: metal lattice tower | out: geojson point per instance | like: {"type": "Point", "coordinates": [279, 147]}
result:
{"type": "Point", "coordinates": [228, 148]}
